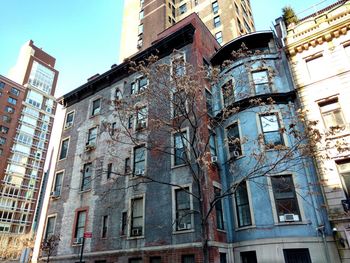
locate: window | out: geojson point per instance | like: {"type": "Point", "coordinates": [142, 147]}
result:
{"type": "Point", "coordinates": [183, 209]}
{"type": "Point", "coordinates": [218, 37]}
{"type": "Point", "coordinates": [285, 198]}
{"type": "Point", "coordinates": [96, 107]}
{"type": "Point", "coordinates": [223, 258]}
{"type": "Point", "coordinates": [316, 67]}
{"type": "Point", "coordinates": [180, 141]}
{"type": "Point", "coordinates": [86, 180]}
{"type": "Point", "coordinates": [140, 29]}
{"type": "Point", "coordinates": [80, 225]}
{"type": "Point", "coordinates": [12, 100]}
{"type": "Point", "coordinates": [127, 168]}
{"type": "Point", "coordinates": [331, 113]}
{"type": "Point", "coordinates": [118, 94]}
{"type": "Point", "coordinates": [113, 128]}
{"type": "Point", "coordinates": [141, 2]}
{"type": "Point", "coordinates": [212, 143]}
{"type": "Point", "coordinates": [2, 140]}
{"type": "Point", "coordinates": [242, 205]}
{"type": "Point", "coordinates": [182, 9]}
{"type": "Point", "coordinates": [139, 43]}
{"type": "Point", "coordinates": [130, 121]}
{"type": "Point", "coordinates": [271, 130]}
{"type": "Point", "coordinates": [104, 226]}
{"type": "Point", "coordinates": [178, 64]}
{"type": "Point", "coordinates": [109, 170]}
{"type": "Point", "coordinates": [2, 85]}
{"type": "Point", "coordinates": [179, 104]}
{"type": "Point", "coordinates": [261, 82]}
{"type": "Point", "coordinates": [4, 129]}
{"type": "Point", "coordinates": [155, 260]}
{"type": "Point", "coordinates": [50, 226]}
{"type": "Point", "coordinates": [139, 160]}
{"type": "Point", "coordinates": [9, 109]}
{"type": "Point", "coordinates": [6, 118]}
{"type": "Point", "coordinates": [136, 228]}
{"type": "Point", "coordinates": [69, 120]}
{"type": "Point", "coordinates": [15, 91]}
{"type": "Point", "coordinates": [215, 7]}
{"type": "Point", "coordinates": [1, 151]}
{"type": "Point", "coordinates": [124, 223]}
{"type": "Point", "coordinates": [228, 92]}
{"type": "Point", "coordinates": [141, 14]}
{"type": "Point", "coordinates": [249, 257]}
{"type": "Point", "coordinates": [139, 85]}
{"type": "Point", "coordinates": [233, 140]}
{"type": "Point", "coordinates": [209, 102]}
{"type": "Point", "coordinates": [64, 149]}
{"type": "Point", "coordinates": [217, 21]}
{"type": "Point", "coordinates": [218, 208]}
{"type": "Point", "coordinates": [300, 255]}
{"type": "Point", "coordinates": [58, 184]}
{"type": "Point", "coordinates": [188, 259]}
{"type": "Point", "coordinates": [92, 137]}
{"type": "Point", "coordinates": [141, 118]}
{"type": "Point", "coordinates": [344, 170]}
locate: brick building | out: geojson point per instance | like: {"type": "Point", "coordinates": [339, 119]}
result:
{"type": "Point", "coordinates": [143, 20]}
{"type": "Point", "coordinates": [28, 108]}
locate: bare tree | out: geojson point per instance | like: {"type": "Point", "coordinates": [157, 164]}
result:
{"type": "Point", "coordinates": [48, 246]}
{"type": "Point", "coordinates": [168, 114]}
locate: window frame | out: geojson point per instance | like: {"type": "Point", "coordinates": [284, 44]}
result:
{"type": "Point", "coordinates": [248, 202]}
{"type": "Point", "coordinates": [141, 117]}
{"type": "Point", "coordinates": [215, 7]}
{"type": "Point", "coordinates": [257, 83]}
{"type": "Point", "coordinates": [76, 222]}
{"type": "Point", "coordinates": [217, 21]}
{"type": "Point", "coordinates": [91, 139]}
{"type": "Point", "coordinates": [60, 158]}
{"type": "Point", "coordinates": [282, 136]}
{"type": "Point", "coordinates": [95, 111]}
{"type": "Point", "coordinates": [109, 170]}
{"type": "Point", "coordinates": [84, 187]}
{"type": "Point", "coordinates": [296, 197]}
{"type": "Point", "coordinates": [336, 107]}
{"type": "Point", "coordinates": [144, 160]}
{"type": "Point", "coordinates": [131, 217]}
{"type": "Point", "coordinates": [219, 38]}
{"type": "Point", "coordinates": [185, 144]}
{"type": "Point", "coordinates": [46, 236]}
{"type": "Point", "coordinates": [67, 124]}
{"type": "Point", "coordinates": [104, 226]}
{"type": "Point", "coordinates": [175, 211]}
{"type": "Point", "coordinates": [54, 186]}
{"type": "Point", "coordinates": [232, 154]}
{"type": "Point", "coordinates": [219, 210]}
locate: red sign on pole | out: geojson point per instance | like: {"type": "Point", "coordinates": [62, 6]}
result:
{"type": "Point", "coordinates": [87, 235]}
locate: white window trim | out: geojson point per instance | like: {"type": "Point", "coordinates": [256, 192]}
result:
{"type": "Point", "coordinates": [91, 101]}
{"type": "Point", "coordinates": [65, 120]}
{"type": "Point", "coordinates": [54, 181]}
{"type": "Point", "coordinates": [273, 203]}
{"type": "Point", "coordinates": [129, 216]}
{"type": "Point", "coordinates": [219, 186]}
{"type": "Point", "coordinates": [269, 79]}
{"type": "Point", "coordinates": [59, 152]}
{"type": "Point", "coordinates": [250, 200]}
{"type": "Point", "coordinates": [134, 121]}
{"type": "Point", "coordinates": [132, 156]}
{"type": "Point", "coordinates": [221, 93]}
{"type": "Point", "coordinates": [177, 54]}
{"type": "Point", "coordinates": [173, 197]}
{"type": "Point", "coordinates": [136, 81]}
{"type": "Point", "coordinates": [280, 122]}
{"type": "Point", "coordinates": [54, 225]}
{"type": "Point", "coordinates": [87, 135]}
{"type": "Point", "coordinates": [187, 130]}
{"type": "Point", "coordinates": [240, 137]}
{"type": "Point", "coordinates": [82, 171]}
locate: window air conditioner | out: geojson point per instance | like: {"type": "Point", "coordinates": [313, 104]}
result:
{"type": "Point", "coordinates": [214, 159]}
{"type": "Point", "coordinates": [289, 218]}
{"type": "Point", "coordinates": [78, 240]}
{"type": "Point", "coordinates": [182, 226]}
{"type": "Point", "coordinates": [136, 231]}
{"type": "Point", "coordinates": [140, 172]}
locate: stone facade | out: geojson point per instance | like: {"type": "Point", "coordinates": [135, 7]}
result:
{"type": "Point", "coordinates": [318, 48]}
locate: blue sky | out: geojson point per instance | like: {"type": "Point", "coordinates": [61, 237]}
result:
{"type": "Point", "coordinates": [83, 35]}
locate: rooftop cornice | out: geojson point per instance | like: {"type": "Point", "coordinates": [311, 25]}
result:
{"type": "Point", "coordinates": [315, 31]}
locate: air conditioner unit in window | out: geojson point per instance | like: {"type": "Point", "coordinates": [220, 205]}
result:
{"type": "Point", "coordinates": [140, 172]}
{"type": "Point", "coordinates": [55, 194]}
{"type": "Point", "coordinates": [214, 159]}
{"type": "Point", "coordinates": [289, 218]}
{"type": "Point", "coordinates": [182, 226]}
{"type": "Point", "coordinates": [77, 240]}
{"type": "Point", "coordinates": [89, 146]}
{"type": "Point", "coordinates": [137, 231]}
{"type": "Point", "coordinates": [69, 124]}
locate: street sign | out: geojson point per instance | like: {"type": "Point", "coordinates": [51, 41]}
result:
{"type": "Point", "coordinates": [87, 235]}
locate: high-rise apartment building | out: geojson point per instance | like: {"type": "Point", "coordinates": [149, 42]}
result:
{"type": "Point", "coordinates": [144, 19]}
{"type": "Point", "coordinates": [27, 111]}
